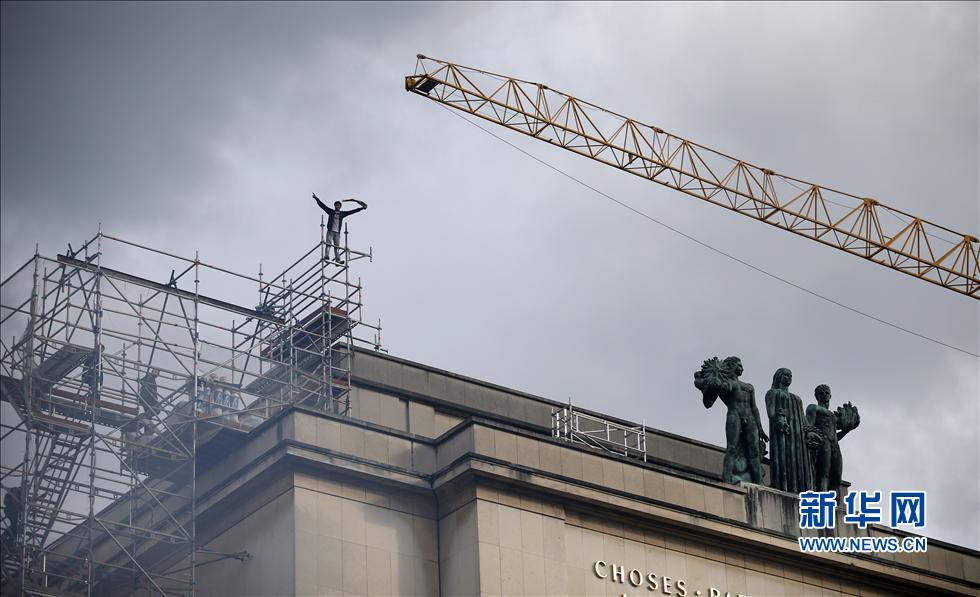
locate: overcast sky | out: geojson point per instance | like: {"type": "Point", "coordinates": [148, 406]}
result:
{"type": "Point", "coordinates": [206, 127]}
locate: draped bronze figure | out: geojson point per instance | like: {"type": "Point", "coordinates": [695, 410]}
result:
{"type": "Point", "coordinates": [789, 459]}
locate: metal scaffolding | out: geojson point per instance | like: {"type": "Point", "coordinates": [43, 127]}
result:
{"type": "Point", "coordinates": [118, 388]}
{"type": "Point", "coordinates": [575, 426]}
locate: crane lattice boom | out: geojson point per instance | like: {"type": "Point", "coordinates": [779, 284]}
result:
{"type": "Point", "coordinates": [861, 226]}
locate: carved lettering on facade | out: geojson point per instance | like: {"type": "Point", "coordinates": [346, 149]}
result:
{"type": "Point", "coordinates": [658, 584]}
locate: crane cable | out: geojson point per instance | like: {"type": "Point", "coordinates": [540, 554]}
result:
{"type": "Point", "coordinates": [706, 245]}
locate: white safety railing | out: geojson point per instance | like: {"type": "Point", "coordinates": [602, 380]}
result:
{"type": "Point", "coordinates": [579, 427]}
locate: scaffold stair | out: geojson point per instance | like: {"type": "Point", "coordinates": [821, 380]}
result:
{"type": "Point", "coordinates": [53, 482]}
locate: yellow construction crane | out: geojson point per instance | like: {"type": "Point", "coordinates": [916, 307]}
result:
{"type": "Point", "coordinates": [858, 225]}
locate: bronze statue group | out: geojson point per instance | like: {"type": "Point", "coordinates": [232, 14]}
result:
{"type": "Point", "coordinates": [803, 443]}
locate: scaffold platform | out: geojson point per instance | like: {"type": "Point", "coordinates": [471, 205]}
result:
{"type": "Point", "coordinates": [117, 389]}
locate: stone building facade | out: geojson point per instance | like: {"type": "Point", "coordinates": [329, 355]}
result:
{"type": "Point", "coordinates": [443, 485]}
{"type": "Point", "coordinates": [439, 484]}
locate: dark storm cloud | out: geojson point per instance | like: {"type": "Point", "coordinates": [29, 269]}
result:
{"type": "Point", "coordinates": [207, 126]}
{"type": "Point", "coordinates": [108, 108]}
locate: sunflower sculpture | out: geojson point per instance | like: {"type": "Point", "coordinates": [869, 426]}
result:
{"type": "Point", "coordinates": [714, 378]}
{"type": "Point", "coordinates": [848, 417]}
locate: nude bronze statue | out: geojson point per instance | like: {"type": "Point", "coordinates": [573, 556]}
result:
{"type": "Point", "coordinates": [825, 428]}
{"type": "Point", "coordinates": [744, 435]}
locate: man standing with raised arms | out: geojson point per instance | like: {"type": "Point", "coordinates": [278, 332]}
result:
{"type": "Point", "coordinates": [335, 220]}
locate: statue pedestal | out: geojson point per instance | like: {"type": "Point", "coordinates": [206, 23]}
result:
{"type": "Point", "coordinates": [779, 511]}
